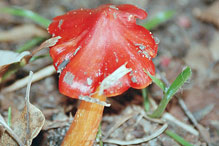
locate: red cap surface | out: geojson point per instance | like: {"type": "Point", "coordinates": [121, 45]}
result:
{"type": "Point", "coordinates": [96, 42]}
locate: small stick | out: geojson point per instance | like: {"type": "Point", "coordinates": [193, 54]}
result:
{"type": "Point", "coordinates": [118, 123]}
{"type": "Point", "coordinates": [45, 72]}
{"type": "Point", "coordinates": [27, 102]}
{"type": "Point", "coordinates": [186, 127]}
{"type": "Point", "coordinates": [137, 141]}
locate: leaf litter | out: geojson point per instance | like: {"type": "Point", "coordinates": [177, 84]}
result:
{"type": "Point", "coordinates": [26, 125]}
{"type": "Point", "coordinates": [10, 61]}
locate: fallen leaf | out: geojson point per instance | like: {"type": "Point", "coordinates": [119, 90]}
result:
{"type": "Point", "coordinates": [46, 44]}
{"type": "Point", "coordinates": [7, 135]}
{"type": "Point", "coordinates": [25, 125]}
{"type": "Point", "coordinates": [36, 122]}
{"type": "Point", "coordinates": [9, 58]}
{"type": "Point", "coordinates": [22, 32]}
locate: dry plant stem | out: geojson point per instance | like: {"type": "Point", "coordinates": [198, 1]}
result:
{"type": "Point", "coordinates": [140, 140]}
{"type": "Point", "coordinates": [45, 72]}
{"type": "Point", "coordinates": [118, 123]}
{"type": "Point", "coordinates": [27, 101]}
{"type": "Point", "coordinates": [84, 127]}
{"type": "Point", "coordinates": [186, 127]}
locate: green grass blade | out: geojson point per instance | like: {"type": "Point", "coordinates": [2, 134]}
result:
{"type": "Point", "coordinates": [9, 116]}
{"type": "Point", "coordinates": [99, 134]}
{"type": "Point", "coordinates": [178, 138]}
{"type": "Point", "coordinates": [28, 14]}
{"type": "Point", "coordinates": [158, 82]}
{"type": "Point", "coordinates": [159, 19]}
{"type": "Point", "coordinates": [179, 81]}
{"type": "Point", "coordinates": [39, 57]}
{"type": "Point", "coordinates": [146, 100]}
{"type": "Point", "coordinates": [160, 109]}
{"type": "Point", "coordinates": [30, 44]}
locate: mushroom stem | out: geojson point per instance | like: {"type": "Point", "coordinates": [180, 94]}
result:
{"type": "Point", "coordinates": [84, 127]}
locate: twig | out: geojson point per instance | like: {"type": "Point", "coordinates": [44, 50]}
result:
{"type": "Point", "coordinates": [27, 102]}
{"type": "Point", "coordinates": [117, 124]}
{"type": "Point", "coordinates": [186, 127]}
{"type": "Point", "coordinates": [160, 121]}
{"type": "Point", "coordinates": [140, 140]}
{"type": "Point", "coordinates": [45, 72]}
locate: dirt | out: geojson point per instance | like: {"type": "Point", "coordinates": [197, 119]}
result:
{"type": "Point", "coordinates": [185, 40]}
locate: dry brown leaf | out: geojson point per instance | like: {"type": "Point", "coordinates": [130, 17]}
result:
{"type": "Point", "coordinates": [26, 125]}
{"type": "Point", "coordinates": [22, 32]}
{"type": "Point", "coordinates": [48, 43]}
{"type": "Point", "coordinates": [211, 14]}
{"type": "Point", "coordinates": [7, 135]}
{"type": "Point", "coordinates": [8, 58]}
{"type": "Point", "coordinates": [36, 122]}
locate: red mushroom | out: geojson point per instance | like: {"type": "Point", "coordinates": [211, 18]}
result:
{"type": "Point", "coordinates": [102, 52]}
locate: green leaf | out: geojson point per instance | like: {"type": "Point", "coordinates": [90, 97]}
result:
{"type": "Point", "coordinates": [146, 100]}
{"type": "Point", "coordinates": [39, 57]}
{"type": "Point", "coordinates": [9, 116]}
{"type": "Point", "coordinates": [159, 19]}
{"type": "Point", "coordinates": [28, 14]}
{"type": "Point", "coordinates": [158, 82]}
{"type": "Point", "coordinates": [99, 135]}
{"type": "Point", "coordinates": [178, 138]}
{"type": "Point", "coordinates": [179, 81]}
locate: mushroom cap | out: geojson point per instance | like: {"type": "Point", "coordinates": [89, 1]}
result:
{"type": "Point", "coordinates": [96, 42]}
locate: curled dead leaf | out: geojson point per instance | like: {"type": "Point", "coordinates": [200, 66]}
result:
{"type": "Point", "coordinates": [9, 57]}
{"type": "Point", "coordinates": [10, 60]}
{"type": "Point", "coordinates": [26, 125]}
{"type": "Point", "coordinates": [36, 122]}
